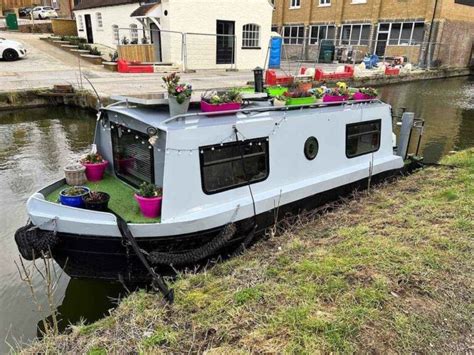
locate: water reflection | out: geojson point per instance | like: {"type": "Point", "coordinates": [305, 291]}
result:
{"type": "Point", "coordinates": [447, 106]}
{"type": "Point", "coordinates": [85, 301]}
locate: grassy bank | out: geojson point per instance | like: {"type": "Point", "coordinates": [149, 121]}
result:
{"type": "Point", "coordinates": [388, 272]}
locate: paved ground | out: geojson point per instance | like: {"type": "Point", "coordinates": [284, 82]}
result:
{"type": "Point", "coordinates": [47, 65]}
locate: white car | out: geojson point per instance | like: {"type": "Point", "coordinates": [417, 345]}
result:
{"type": "Point", "coordinates": [42, 12]}
{"type": "Point", "coordinates": [11, 50]}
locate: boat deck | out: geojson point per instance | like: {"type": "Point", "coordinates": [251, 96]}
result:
{"type": "Point", "coordinates": [121, 201]}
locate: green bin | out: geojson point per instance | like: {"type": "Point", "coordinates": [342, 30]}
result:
{"type": "Point", "coordinates": [326, 52]}
{"type": "Point", "coordinates": [12, 22]}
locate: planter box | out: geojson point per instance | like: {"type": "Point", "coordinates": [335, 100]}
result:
{"type": "Point", "coordinates": [276, 90]}
{"type": "Point", "coordinates": [137, 52]}
{"type": "Point", "coordinates": [112, 66]}
{"type": "Point", "coordinates": [360, 96]}
{"type": "Point", "coordinates": [94, 59]}
{"type": "Point", "coordinates": [69, 46]}
{"type": "Point", "coordinates": [295, 101]}
{"type": "Point", "coordinates": [334, 98]}
{"type": "Point", "coordinates": [231, 106]}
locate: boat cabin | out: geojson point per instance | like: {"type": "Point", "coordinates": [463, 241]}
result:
{"type": "Point", "coordinates": [206, 163]}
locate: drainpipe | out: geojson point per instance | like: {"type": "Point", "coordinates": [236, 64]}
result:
{"type": "Point", "coordinates": [430, 33]}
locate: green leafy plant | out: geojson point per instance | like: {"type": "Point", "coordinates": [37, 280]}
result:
{"type": "Point", "coordinates": [114, 56]}
{"type": "Point", "coordinates": [95, 158]}
{"type": "Point", "coordinates": [179, 90]}
{"type": "Point", "coordinates": [217, 98]}
{"type": "Point", "coordinates": [149, 190]}
{"type": "Point", "coordinates": [369, 91]}
{"type": "Point", "coordinates": [74, 191]}
{"type": "Point", "coordinates": [95, 51]}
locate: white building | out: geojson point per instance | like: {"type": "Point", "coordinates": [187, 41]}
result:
{"type": "Point", "coordinates": [204, 34]}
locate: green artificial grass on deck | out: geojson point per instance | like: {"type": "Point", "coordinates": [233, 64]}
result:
{"type": "Point", "coordinates": [121, 201]}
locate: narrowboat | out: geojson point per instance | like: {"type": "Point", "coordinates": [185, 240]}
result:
{"type": "Point", "coordinates": [226, 177]}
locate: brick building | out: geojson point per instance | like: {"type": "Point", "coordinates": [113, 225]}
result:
{"type": "Point", "coordinates": [434, 32]}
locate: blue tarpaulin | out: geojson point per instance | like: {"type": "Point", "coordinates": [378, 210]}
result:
{"type": "Point", "coordinates": [275, 53]}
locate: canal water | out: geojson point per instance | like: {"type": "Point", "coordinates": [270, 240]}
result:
{"type": "Point", "coordinates": [35, 144]}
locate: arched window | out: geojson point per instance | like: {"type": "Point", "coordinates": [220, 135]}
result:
{"type": "Point", "coordinates": [115, 30]}
{"type": "Point", "coordinates": [251, 36]}
{"type": "Point", "coordinates": [98, 18]}
{"type": "Point", "coordinates": [134, 33]}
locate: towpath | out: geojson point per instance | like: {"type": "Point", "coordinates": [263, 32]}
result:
{"type": "Point", "coordinates": [47, 65]}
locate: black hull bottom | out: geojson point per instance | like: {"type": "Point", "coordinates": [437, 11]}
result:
{"type": "Point", "coordinates": [106, 258]}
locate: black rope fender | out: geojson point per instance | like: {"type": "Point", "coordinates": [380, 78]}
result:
{"type": "Point", "coordinates": [158, 282]}
{"type": "Point", "coordinates": [34, 242]}
{"type": "Point", "coordinates": [195, 255]}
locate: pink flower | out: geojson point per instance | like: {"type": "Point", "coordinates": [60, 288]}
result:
{"type": "Point", "coordinates": [179, 89]}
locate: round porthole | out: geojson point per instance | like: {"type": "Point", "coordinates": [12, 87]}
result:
{"type": "Point", "coordinates": [166, 12]}
{"type": "Point", "coordinates": [311, 147]}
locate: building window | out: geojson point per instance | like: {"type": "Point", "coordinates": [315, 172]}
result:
{"type": "Point", "coordinates": [403, 33]}
{"type": "Point", "coordinates": [133, 34]}
{"type": "Point", "coordinates": [133, 160]}
{"type": "Point", "coordinates": [321, 32]}
{"type": "Point", "coordinates": [355, 34]}
{"type": "Point", "coordinates": [362, 138]}
{"type": "Point", "coordinates": [295, 4]}
{"type": "Point", "coordinates": [293, 34]}
{"type": "Point", "coordinates": [98, 18]}
{"type": "Point", "coordinates": [359, 2]}
{"type": "Point", "coordinates": [223, 168]}
{"type": "Point", "coordinates": [115, 31]}
{"type": "Point", "coordinates": [251, 36]}
{"type": "Point", "coordinates": [324, 2]}
{"type": "Point", "coordinates": [80, 23]}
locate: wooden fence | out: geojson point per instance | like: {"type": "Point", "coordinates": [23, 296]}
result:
{"type": "Point", "coordinates": [137, 52]}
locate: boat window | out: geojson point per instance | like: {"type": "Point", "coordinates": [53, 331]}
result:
{"type": "Point", "coordinates": [311, 147]}
{"type": "Point", "coordinates": [223, 168]}
{"type": "Point", "coordinates": [362, 138]}
{"type": "Point", "coordinates": [133, 158]}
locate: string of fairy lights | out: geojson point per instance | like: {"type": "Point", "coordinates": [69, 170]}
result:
{"type": "Point", "coordinates": [153, 138]}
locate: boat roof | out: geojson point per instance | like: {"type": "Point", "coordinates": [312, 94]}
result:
{"type": "Point", "coordinates": [158, 116]}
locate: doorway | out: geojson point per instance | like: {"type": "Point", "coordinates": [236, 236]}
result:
{"type": "Point", "coordinates": [225, 46]}
{"type": "Point", "coordinates": [90, 37]}
{"type": "Point", "coordinates": [155, 37]}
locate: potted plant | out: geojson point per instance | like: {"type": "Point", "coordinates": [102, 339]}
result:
{"type": "Point", "coordinates": [96, 200]}
{"type": "Point", "coordinates": [149, 199]}
{"type": "Point", "coordinates": [95, 166]}
{"type": "Point", "coordinates": [336, 95]}
{"type": "Point", "coordinates": [299, 98]}
{"type": "Point", "coordinates": [179, 94]}
{"type": "Point", "coordinates": [225, 101]}
{"type": "Point", "coordinates": [75, 174]}
{"type": "Point", "coordinates": [365, 94]}
{"type": "Point", "coordinates": [72, 196]}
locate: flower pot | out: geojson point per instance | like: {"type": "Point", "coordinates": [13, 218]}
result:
{"type": "Point", "coordinates": [101, 205]}
{"type": "Point", "coordinates": [149, 206]}
{"type": "Point", "coordinates": [294, 101]}
{"type": "Point", "coordinates": [95, 172]}
{"type": "Point", "coordinates": [73, 201]}
{"type": "Point", "coordinates": [229, 106]}
{"type": "Point", "coordinates": [276, 90]}
{"type": "Point", "coordinates": [305, 86]}
{"type": "Point", "coordinates": [334, 98]}
{"type": "Point", "coordinates": [75, 174]}
{"type": "Point", "coordinates": [177, 108]}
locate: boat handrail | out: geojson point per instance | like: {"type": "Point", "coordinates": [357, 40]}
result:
{"type": "Point", "coordinates": [272, 108]}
